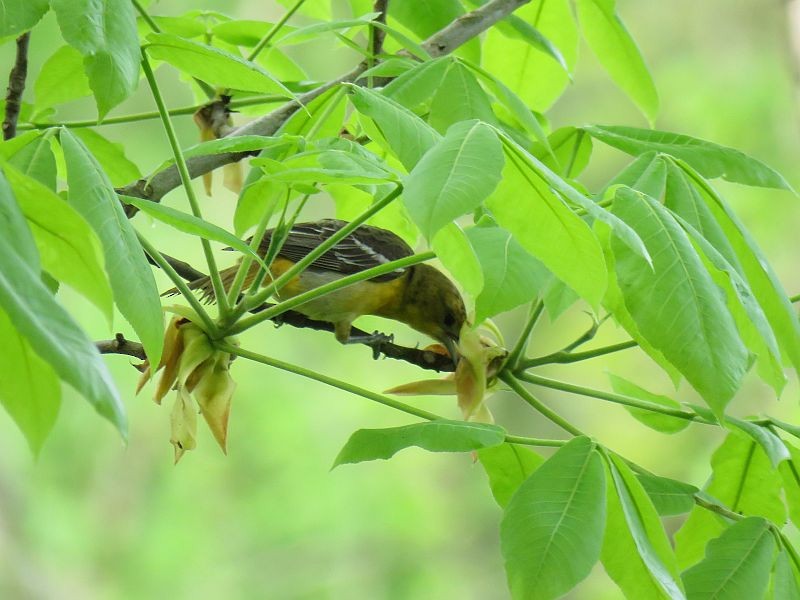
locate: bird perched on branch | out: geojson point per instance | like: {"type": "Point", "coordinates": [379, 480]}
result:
{"type": "Point", "coordinates": [420, 295]}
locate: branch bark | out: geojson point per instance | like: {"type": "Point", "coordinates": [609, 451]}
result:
{"type": "Point", "coordinates": [16, 85]}
{"type": "Point", "coordinates": [443, 42]}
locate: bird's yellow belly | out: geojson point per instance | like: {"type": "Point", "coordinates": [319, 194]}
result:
{"type": "Point", "coordinates": [363, 298]}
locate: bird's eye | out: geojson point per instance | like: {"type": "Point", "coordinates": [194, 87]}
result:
{"type": "Point", "coordinates": [449, 320]}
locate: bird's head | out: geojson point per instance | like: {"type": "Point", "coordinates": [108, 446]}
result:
{"type": "Point", "coordinates": [433, 306]}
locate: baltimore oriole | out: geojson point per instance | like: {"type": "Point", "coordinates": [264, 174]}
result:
{"type": "Point", "coordinates": [419, 296]}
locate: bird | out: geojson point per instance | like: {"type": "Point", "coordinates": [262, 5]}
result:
{"type": "Point", "coordinates": [420, 295]}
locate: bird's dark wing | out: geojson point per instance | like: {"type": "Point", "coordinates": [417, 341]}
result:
{"type": "Point", "coordinates": [363, 249]}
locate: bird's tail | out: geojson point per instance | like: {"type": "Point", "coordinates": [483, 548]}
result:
{"type": "Point", "coordinates": [206, 288]}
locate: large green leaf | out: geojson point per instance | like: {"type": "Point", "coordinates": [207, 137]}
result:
{"type": "Point", "coordinates": [29, 388]}
{"type": "Point", "coordinates": [737, 564]}
{"type": "Point", "coordinates": [111, 156]}
{"type": "Point", "coordinates": [743, 480]}
{"type": "Point", "coordinates": [454, 177]}
{"type": "Point", "coordinates": [764, 284]}
{"type": "Point", "coordinates": [636, 552]}
{"type": "Point", "coordinates": [701, 339]}
{"type": "Point", "coordinates": [13, 225]}
{"type": "Point", "coordinates": [54, 336]}
{"type": "Point", "coordinates": [37, 160]}
{"type": "Point", "coordinates": [508, 466]}
{"type": "Point", "coordinates": [655, 420]}
{"type": "Point", "coordinates": [408, 136]}
{"type": "Point", "coordinates": [104, 32]}
{"type": "Point", "coordinates": [511, 275]}
{"type": "Point", "coordinates": [213, 65]}
{"type": "Point", "coordinates": [535, 75]}
{"type": "Point", "coordinates": [459, 97]}
{"type": "Point", "coordinates": [770, 442]}
{"type": "Point", "coordinates": [61, 79]}
{"type": "Point", "coordinates": [434, 436]}
{"type": "Point", "coordinates": [552, 529]}
{"type": "Point", "coordinates": [571, 148]}
{"type": "Point", "coordinates": [545, 226]}
{"type": "Point", "coordinates": [670, 497]}
{"type": "Point", "coordinates": [458, 255]}
{"type": "Point", "coordinates": [707, 158]}
{"type": "Point", "coordinates": [68, 247]}
{"type": "Point", "coordinates": [18, 15]}
{"type": "Point", "coordinates": [135, 291]}
{"type": "Point", "coordinates": [617, 52]}
{"type": "Point", "coordinates": [785, 584]}
{"type": "Point", "coordinates": [790, 474]}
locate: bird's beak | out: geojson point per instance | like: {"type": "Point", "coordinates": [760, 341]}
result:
{"type": "Point", "coordinates": [452, 349]}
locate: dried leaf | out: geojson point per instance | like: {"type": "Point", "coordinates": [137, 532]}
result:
{"type": "Point", "coordinates": [183, 422]}
{"type": "Point", "coordinates": [213, 394]}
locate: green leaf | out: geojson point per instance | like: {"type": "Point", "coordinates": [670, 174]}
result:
{"type": "Point", "coordinates": [785, 583]}
{"type": "Point", "coordinates": [769, 442]}
{"type": "Point", "coordinates": [37, 160]}
{"type": "Point", "coordinates": [459, 97]}
{"type": "Point", "coordinates": [511, 276]}
{"type": "Point", "coordinates": [764, 284]}
{"type": "Point", "coordinates": [239, 143]}
{"type": "Point", "coordinates": [12, 223]}
{"type": "Point", "coordinates": [707, 158]}
{"type": "Point", "coordinates": [61, 79]}
{"type": "Point", "coordinates": [751, 322]}
{"type": "Point", "coordinates": [110, 155]}
{"type": "Point", "coordinates": [426, 18]}
{"type": "Point", "coordinates": [68, 247]}
{"type": "Point", "coordinates": [135, 291]}
{"type": "Point", "coordinates": [636, 552]}
{"type": "Point", "coordinates": [352, 201]}
{"type": "Point", "coordinates": [546, 227]}
{"type": "Point", "coordinates": [312, 32]}
{"type": "Point", "coordinates": [18, 15]}
{"type": "Point", "coordinates": [241, 32]}
{"type": "Point", "coordinates": [322, 117]}
{"type": "Point", "coordinates": [654, 420]}
{"type": "Point", "coordinates": [617, 52]}
{"type": "Point", "coordinates": [670, 497]}
{"type": "Point", "coordinates": [534, 74]}
{"type": "Point", "coordinates": [743, 480]}
{"type": "Point", "coordinates": [213, 65]}
{"type": "Point", "coordinates": [701, 341]}
{"type": "Point", "coordinates": [54, 336]}
{"type": "Point", "coordinates": [326, 166]}
{"type": "Point", "coordinates": [508, 466]}
{"type": "Point", "coordinates": [104, 32]}
{"type": "Point", "coordinates": [417, 85]}
{"type": "Point", "coordinates": [192, 225]}
{"type": "Point", "coordinates": [433, 436]}
{"type": "Point", "coordinates": [29, 389]}
{"type": "Point", "coordinates": [790, 474]}
{"type": "Point", "coordinates": [454, 177]}
{"type": "Point", "coordinates": [737, 564]}
{"type": "Point", "coordinates": [552, 529]}
{"type": "Point", "coordinates": [408, 136]}
{"type": "Point", "coordinates": [458, 255]}
{"type": "Point", "coordinates": [571, 148]}
{"type": "Point", "coordinates": [647, 174]}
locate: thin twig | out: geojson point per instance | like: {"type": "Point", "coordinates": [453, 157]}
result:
{"type": "Point", "coordinates": [16, 85]}
{"type": "Point", "coordinates": [119, 345]}
{"type": "Point", "coordinates": [562, 357]}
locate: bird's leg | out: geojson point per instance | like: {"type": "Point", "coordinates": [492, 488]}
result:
{"type": "Point", "coordinates": [375, 340]}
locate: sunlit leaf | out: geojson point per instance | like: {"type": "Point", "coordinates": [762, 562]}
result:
{"type": "Point", "coordinates": [37, 161]}
{"type": "Point", "coordinates": [20, 15]}
{"type": "Point", "coordinates": [654, 420]}
{"type": "Point", "coordinates": [670, 497]}
{"type": "Point", "coordinates": [508, 466]}
{"type": "Point", "coordinates": [61, 79]}
{"type": "Point", "coordinates": [459, 97]}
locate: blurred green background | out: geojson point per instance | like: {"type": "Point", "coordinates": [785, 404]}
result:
{"type": "Point", "coordinates": [93, 519]}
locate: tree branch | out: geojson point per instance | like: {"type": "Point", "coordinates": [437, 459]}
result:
{"type": "Point", "coordinates": [119, 345]}
{"type": "Point", "coordinates": [448, 39]}
{"type": "Point", "coordinates": [16, 85]}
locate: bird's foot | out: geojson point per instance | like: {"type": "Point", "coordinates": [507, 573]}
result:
{"type": "Point", "coordinates": [376, 340]}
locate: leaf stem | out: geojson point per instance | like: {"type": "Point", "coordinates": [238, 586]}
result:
{"type": "Point", "coordinates": [262, 296]}
{"type": "Point", "coordinates": [611, 397]}
{"type": "Point", "coordinates": [162, 262]}
{"type": "Point", "coordinates": [146, 116]}
{"type": "Point", "coordinates": [528, 397]}
{"type": "Point", "coordinates": [180, 161]}
{"type": "Point", "coordinates": [522, 342]}
{"type": "Point", "coordinates": [328, 288]}
{"type": "Point", "coordinates": [562, 357]}
{"type": "Point", "coordinates": [273, 31]}
{"type": "Point", "coordinates": [364, 393]}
